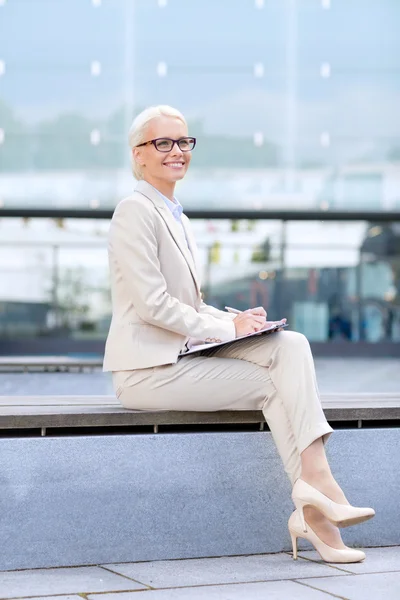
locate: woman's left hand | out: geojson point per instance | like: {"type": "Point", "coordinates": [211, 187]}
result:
{"type": "Point", "coordinates": [270, 323]}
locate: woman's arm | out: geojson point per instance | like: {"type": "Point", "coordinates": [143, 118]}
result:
{"type": "Point", "coordinates": [206, 309]}
{"type": "Point", "coordinates": [133, 245]}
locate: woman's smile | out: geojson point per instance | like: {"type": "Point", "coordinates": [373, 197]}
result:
{"type": "Point", "coordinates": [177, 164]}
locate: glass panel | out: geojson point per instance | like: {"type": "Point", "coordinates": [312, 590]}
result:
{"type": "Point", "coordinates": [347, 98]}
{"type": "Point", "coordinates": [56, 278]}
{"type": "Point", "coordinates": [64, 94]}
{"type": "Point", "coordinates": [326, 278]}
{"type": "Point", "coordinates": [289, 111]}
{"type": "Point", "coordinates": [69, 93]}
{"type": "Point", "coordinates": [331, 280]}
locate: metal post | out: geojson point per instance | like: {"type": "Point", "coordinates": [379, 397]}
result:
{"type": "Point", "coordinates": [360, 332]}
{"type": "Point", "coordinates": [55, 284]}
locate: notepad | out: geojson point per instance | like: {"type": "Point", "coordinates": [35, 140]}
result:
{"type": "Point", "coordinates": [200, 347]}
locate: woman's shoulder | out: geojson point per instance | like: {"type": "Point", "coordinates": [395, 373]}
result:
{"type": "Point", "coordinates": [134, 202]}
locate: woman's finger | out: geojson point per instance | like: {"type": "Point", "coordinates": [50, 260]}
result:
{"type": "Point", "coordinates": [259, 310]}
{"type": "Point", "coordinates": [259, 319]}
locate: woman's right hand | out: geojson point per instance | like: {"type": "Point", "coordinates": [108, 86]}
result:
{"type": "Point", "coordinates": [247, 322]}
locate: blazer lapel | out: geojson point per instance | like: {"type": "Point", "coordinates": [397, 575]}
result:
{"type": "Point", "coordinates": [192, 246]}
{"type": "Point", "coordinates": [147, 190]}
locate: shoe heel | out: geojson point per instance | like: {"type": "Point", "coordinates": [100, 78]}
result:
{"type": "Point", "coordinates": [293, 537]}
{"type": "Point", "coordinates": [299, 504]}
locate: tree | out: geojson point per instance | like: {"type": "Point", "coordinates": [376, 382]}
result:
{"type": "Point", "coordinates": [262, 252]}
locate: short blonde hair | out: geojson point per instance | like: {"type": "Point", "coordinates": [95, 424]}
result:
{"type": "Point", "coordinates": [138, 128]}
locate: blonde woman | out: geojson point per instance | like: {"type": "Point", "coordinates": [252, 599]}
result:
{"type": "Point", "coordinates": [158, 312]}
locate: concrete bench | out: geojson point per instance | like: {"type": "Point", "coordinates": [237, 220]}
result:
{"type": "Point", "coordinates": [48, 363]}
{"type": "Point", "coordinates": [86, 481]}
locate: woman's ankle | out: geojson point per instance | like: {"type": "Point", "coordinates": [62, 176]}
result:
{"type": "Point", "coordinates": [323, 528]}
{"type": "Point", "coordinates": [313, 515]}
{"type": "Point", "coordinates": [324, 482]}
{"type": "Point", "coordinates": [317, 476]}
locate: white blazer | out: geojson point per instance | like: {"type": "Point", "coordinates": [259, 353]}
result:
{"type": "Point", "coordinates": [155, 287]}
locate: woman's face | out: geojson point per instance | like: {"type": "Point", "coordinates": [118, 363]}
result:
{"type": "Point", "coordinates": [163, 166]}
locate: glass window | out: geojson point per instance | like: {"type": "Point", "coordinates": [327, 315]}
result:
{"type": "Point", "coordinates": [294, 105]}
{"type": "Point", "coordinates": [330, 280]}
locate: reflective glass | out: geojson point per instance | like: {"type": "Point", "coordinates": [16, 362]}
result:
{"type": "Point", "coordinates": [294, 105]}
{"type": "Point", "coordinates": [332, 281]}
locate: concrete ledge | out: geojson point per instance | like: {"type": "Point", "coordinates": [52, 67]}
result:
{"type": "Point", "coordinates": [47, 363]}
{"type": "Point", "coordinates": [80, 500]}
{"type": "Point", "coordinates": [91, 497]}
{"type": "Point", "coordinates": [21, 412]}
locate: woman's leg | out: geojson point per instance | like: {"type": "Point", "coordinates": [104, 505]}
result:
{"type": "Point", "coordinates": [195, 383]}
{"type": "Point", "coordinates": [316, 471]}
{"type": "Point", "coordinates": [274, 373]}
{"type": "Point", "coordinates": [293, 408]}
{"type": "Point", "coordinates": [206, 383]}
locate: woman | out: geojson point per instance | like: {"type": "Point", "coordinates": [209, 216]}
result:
{"type": "Point", "coordinates": [158, 313]}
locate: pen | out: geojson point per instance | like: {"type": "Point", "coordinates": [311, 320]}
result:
{"type": "Point", "coordinates": [233, 310]}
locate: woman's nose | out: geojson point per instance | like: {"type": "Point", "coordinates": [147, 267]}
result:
{"type": "Point", "coordinates": [176, 151]}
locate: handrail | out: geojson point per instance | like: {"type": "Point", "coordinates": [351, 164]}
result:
{"type": "Point", "coordinates": [210, 214]}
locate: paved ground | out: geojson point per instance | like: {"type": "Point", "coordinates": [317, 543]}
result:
{"type": "Point", "coordinates": [334, 375]}
{"type": "Point", "coordinates": [258, 577]}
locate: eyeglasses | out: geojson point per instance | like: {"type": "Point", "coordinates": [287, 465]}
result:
{"type": "Point", "coordinates": [185, 144]}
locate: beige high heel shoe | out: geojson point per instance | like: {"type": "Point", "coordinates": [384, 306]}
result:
{"type": "Point", "coordinates": [341, 515]}
{"type": "Point", "coordinates": [327, 553]}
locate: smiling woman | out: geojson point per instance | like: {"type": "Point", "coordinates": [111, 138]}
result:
{"type": "Point", "coordinates": [158, 313]}
{"type": "Point", "coordinates": [160, 147]}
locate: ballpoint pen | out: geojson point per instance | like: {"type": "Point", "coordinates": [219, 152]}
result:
{"type": "Point", "coordinates": [233, 310]}
{"type": "Point", "coordinates": [237, 312]}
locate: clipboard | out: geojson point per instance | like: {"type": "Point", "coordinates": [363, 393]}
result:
{"type": "Point", "coordinates": [207, 346]}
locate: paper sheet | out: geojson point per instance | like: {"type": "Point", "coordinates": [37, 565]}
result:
{"type": "Point", "coordinates": [199, 348]}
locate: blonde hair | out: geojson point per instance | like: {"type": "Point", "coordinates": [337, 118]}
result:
{"type": "Point", "coordinates": [138, 128]}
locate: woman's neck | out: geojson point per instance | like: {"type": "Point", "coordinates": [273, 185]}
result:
{"type": "Point", "coordinates": [167, 188]}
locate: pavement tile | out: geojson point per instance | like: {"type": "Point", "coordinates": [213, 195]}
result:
{"type": "Point", "coordinates": [360, 587]}
{"type": "Point", "coordinates": [276, 590]}
{"type": "Point", "coordinates": [379, 560]}
{"type": "Point", "coordinates": [231, 569]}
{"type": "Point", "coordinates": [73, 580]}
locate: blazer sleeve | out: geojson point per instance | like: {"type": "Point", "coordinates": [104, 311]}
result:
{"type": "Point", "coordinates": [133, 245]}
{"type": "Point", "coordinates": [206, 309]}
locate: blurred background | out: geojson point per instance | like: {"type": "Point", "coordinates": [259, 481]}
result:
{"type": "Point", "coordinates": [294, 186]}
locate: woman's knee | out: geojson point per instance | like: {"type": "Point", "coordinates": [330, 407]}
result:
{"type": "Point", "coordinates": [291, 338]}
{"type": "Point", "coordinates": [293, 342]}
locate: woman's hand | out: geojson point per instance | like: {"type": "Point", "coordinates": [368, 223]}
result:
{"type": "Point", "coordinates": [260, 311]}
{"type": "Point", "coordinates": [257, 311]}
{"type": "Point", "coordinates": [270, 323]}
{"type": "Point", "coordinates": [249, 321]}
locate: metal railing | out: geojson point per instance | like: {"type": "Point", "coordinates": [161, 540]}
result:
{"type": "Point", "coordinates": [327, 302]}
{"type": "Point", "coordinates": [253, 215]}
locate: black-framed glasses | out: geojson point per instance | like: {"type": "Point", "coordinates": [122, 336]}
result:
{"type": "Point", "coordinates": [185, 144]}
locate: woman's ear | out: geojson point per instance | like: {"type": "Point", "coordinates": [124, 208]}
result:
{"type": "Point", "coordinates": [137, 155]}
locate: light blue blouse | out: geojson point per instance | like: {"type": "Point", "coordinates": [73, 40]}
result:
{"type": "Point", "coordinates": [176, 210]}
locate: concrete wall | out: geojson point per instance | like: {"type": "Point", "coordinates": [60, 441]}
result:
{"type": "Point", "coordinates": [95, 499]}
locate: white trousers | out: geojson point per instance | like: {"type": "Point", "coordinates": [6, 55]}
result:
{"type": "Point", "coordinates": [273, 372]}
